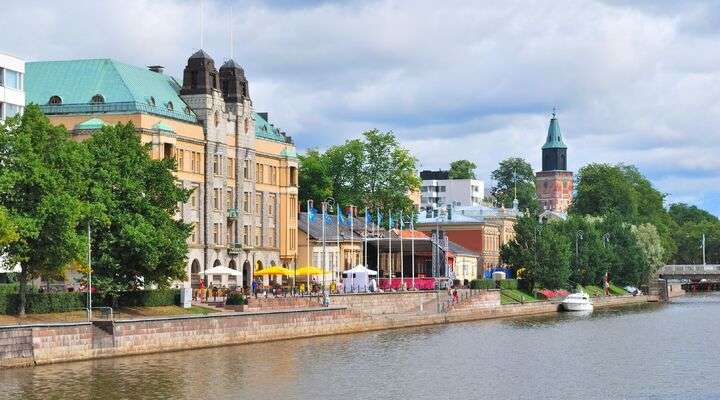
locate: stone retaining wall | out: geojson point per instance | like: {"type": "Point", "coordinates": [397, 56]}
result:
{"type": "Point", "coordinates": [67, 342]}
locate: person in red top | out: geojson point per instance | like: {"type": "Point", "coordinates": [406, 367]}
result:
{"type": "Point", "coordinates": [606, 284]}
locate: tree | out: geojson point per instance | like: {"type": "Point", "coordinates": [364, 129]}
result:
{"type": "Point", "coordinates": [373, 172]}
{"type": "Point", "coordinates": [40, 182]}
{"type": "Point", "coordinates": [515, 174]}
{"type": "Point", "coordinates": [651, 250]}
{"type": "Point", "coordinates": [462, 169]}
{"type": "Point", "coordinates": [315, 181]}
{"type": "Point", "coordinates": [136, 240]}
{"type": "Point", "coordinates": [682, 213]}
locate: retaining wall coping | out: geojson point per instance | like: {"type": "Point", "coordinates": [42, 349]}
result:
{"type": "Point", "coordinates": [44, 325]}
{"type": "Point", "coordinates": [231, 314]}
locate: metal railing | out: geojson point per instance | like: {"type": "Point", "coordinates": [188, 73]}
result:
{"type": "Point", "coordinates": [690, 269]}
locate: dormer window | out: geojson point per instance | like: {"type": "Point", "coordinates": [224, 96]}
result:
{"type": "Point", "coordinates": [170, 106]}
{"type": "Point", "coordinates": [97, 99]}
{"type": "Point", "coordinates": [151, 101]}
{"type": "Point", "coordinates": [55, 101]}
{"type": "Point", "coordinates": [187, 111]}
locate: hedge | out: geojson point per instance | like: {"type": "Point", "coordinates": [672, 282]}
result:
{"type": "Point", "coordinates": [146, 298]}
{"type": "Point", "coordinates": [509, 284]}
{"type": "Point", "coordinates": [235, 299]}
{"type": "Point", "coordinates": [482, 284]}
{"type": "Point", "coordinates": [42, 303]}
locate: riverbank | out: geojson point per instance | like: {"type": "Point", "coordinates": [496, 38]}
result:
{"type": "Point", "coordinates": [51, 343]}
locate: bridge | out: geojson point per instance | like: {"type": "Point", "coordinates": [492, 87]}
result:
{"type": "Point", "coordinates": [711, 272]}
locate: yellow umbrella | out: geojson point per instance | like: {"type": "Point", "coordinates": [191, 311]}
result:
{"type": "Point", "coordinates": [275, 270]}
{"type": "Point", "coordinates": [309, 271]}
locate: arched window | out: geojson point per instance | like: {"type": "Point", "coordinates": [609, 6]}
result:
{"type": "Point", "coordinates": [170, 106]}
{"type": "Point", "coordinates": [151, 101]}
{"type": "Point", "coordinates": [195, 267]}
{"type": "Point", "coordinates": [55, 100]}
{"type": "Point", "coordinates": [97, 99]}
{"type": "Point", "coordinates": [247, 125]}
{"type": "Point", "coordinates": [217, 118]}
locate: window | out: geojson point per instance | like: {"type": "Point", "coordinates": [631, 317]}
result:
{"type": "Point", "coordinates": [246, 169]}
{"type": "Point", "coordinates": [194, 235]}
{"type": "Point", "coordinates": [293, 206]}
{"type": "Point", "coordinates": [217, 198]}
{"type": "Point", "coordinates": [231, 167]}
{"type": "Point", "coordinates": [258, 203]}
{"type": "Point", "coordinates": [97, 99]}
{"type": "Point", "coordinates": [11, 79]}
{"type": "Point", "coordinates": [258, 236]}
{"type": "Point", "coordinates": [170, 106]}
{"type": "Point", "coordinates": [10, 110]}
{"type": "Point", "coordinates": [271, 204]}
{"type": "Point", "coordinates": [441, 188]}
{"type": "Point", "coordinates": [55, 101]}
{"type": "Point", "coordinates": [229, 199]}
{"type": "Point", "coordinates": [293, 176]}
{"type": "Point", "coordinates": [230, 231]}
{"type": "Point", "coordinates": [259, 172]}
{"type": "Point", "coordinates": [246, 202]}
{"type": "Point", "coordinates": [151, 101]}
{"type": "Point", "coordinates": [217, 118]}
{"type": "Point", "coordinates": [194, 197]}
{"type": "Point", "coordinates": [216, 233]}
{"type": "Point", "coordinates": [247, 126]}
{"type": "Point", "coordinates": [246, 235]}
{"type": "Point", "coordinates": [180, 159]}
{"type": "Point", "coordinates": [217, 161]}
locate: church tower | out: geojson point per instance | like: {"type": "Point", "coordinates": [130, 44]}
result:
{"type": "Point", "coordinates": [554, 183]}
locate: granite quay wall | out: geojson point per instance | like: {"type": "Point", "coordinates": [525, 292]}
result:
{"type": "Point", "coordinates": [43, 344]}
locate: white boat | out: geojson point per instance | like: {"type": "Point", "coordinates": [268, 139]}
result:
{"type": "Point", "coordinates": [577, 302]}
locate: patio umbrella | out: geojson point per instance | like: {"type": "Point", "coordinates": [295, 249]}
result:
{"type": "Point", "coordinates": [222, 270]}
{"type": "Point", "coordinates": [309, 271]}
{"type": "Point", "coordinates": [274, 270]}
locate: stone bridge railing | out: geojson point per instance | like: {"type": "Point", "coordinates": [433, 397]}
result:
{"type": "Point", "coordinates": [689, 270]}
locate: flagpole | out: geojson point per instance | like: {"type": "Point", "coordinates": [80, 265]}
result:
{"type": "Point", "coordinates": [336, 276]}
{"type": "Point", "coordinates": [402, 258]}
{"type": "Point", "coordinates": [412, 244]}
{"type": "Point", "coordinates": [352, 239]}
{"type": "Point", "coordinates": [390, 247]}
{"type": "Point", "coordinates": [324, 257]}
{"type": "Point", "coordinates": [377, 244]}
{"type": "Point", "coordinates": [310, 206]}
{"type": "Point", "coordinates": [365, 240]}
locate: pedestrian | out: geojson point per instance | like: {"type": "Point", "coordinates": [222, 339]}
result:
{"type": "Point", "coordinates": [254, 287]}
{"type": "Point", "coordinates": [606, 284]}
{"type": "Point", "coordinates": [456, 299]}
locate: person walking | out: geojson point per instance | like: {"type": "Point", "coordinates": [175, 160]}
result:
{"type": "Point", "coordinates": [606, 284]}
{"type": "Point", "coordinates": [254, 287]}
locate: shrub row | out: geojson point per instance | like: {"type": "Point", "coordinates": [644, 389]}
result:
{"type": "Point", "coordinates": [42, 303]}
{"type": "Point", "coordinates": [145, 298]}
{"type": "Point", "coordinates": [482, 284]}
{"type": "Point", "coordinates": [509, 284]}
{"type": "Point", "coordinates": [236, 299]}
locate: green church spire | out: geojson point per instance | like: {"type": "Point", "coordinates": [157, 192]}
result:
{"type": "Point", "coordinates": [554, 136]}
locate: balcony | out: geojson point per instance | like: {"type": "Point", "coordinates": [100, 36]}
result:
{"type": "Point", "coordinates": [233, 213]}
{"type": "Point", "coordinates": [236, 248]}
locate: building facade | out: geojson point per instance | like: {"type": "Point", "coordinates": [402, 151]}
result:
{"type": "Point", "coordinates": [242, 170]}
{"type": "Point", "coordinates": [438, 189]}
{"type": "Point", "coordinates": [554, 184]}
{"type": "Point", "coordinates": [12, 87]}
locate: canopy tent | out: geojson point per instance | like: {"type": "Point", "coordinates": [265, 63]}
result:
{"type": "Point", "coordinates": [222, 270]}
{"type": "Point", "coordinates": [274, 270]}
{"type": "Point", "coordinates": [356, 279]}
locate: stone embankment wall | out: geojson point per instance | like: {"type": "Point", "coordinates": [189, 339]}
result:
{"type": "Point", "coordinates": [30, 345]}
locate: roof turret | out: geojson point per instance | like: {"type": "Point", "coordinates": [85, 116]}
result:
{"type": "Point", "coordinates": [554, 137]}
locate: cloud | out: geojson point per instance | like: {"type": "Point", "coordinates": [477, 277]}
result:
{"type": "Point", "coordinates": [635, 81]}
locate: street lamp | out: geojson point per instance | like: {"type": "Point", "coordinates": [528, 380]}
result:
{"type": "Point", "coordinates": [439, 215]}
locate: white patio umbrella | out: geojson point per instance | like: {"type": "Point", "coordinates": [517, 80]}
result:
{"type": "Point", "coordinates": [222, 270]}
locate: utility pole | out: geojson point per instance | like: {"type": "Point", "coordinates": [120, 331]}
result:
{"type": "Point", "coordinates": [89, 261]}
{"type": "Point", "coordinates": [703, 248]}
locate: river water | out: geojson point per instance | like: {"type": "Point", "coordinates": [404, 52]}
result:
{"type": "Point", "coordinates": [650, 351]}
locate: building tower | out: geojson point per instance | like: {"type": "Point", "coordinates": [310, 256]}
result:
{"type": "Point", "coordinates": [554, 183]}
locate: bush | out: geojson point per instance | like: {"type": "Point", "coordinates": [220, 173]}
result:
{"type": "Point", "coordinates": [9, 288]}
{"type": "Point", "coordinates": [509, 284]}
{"type": "Point", "coordinates": [482, 284]}
{"type": "Point", "coordinates": [235, 299]}
{"type": "Point", "coordinates": [42, 303]}
{"type": "Point", "coordinates": [145, 298]}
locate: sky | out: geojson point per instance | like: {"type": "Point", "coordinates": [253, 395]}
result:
{"type": "Point", "coordinates": [635, 82]}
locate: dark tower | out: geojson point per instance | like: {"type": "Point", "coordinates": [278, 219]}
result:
{"type": "Point", "coordinates": [554, 151]}
{"type": "Point", "coordinates": [554, 184]}
{"type": "Point", "coordinates": [233, 84]}
{"type": "Point", "coordinates": [200, 75]}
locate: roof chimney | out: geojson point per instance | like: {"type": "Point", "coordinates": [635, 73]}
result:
{"type": "Point", "coordinates": [156, 68]}
{"type": "Point", "coordinates": [264, 116]}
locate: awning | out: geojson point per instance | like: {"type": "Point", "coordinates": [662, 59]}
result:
{"type": "Point", "coordinates": [274, 270]}
{"type": "Point", "coordinates": [222, 270]}
{"type": "Point", "coordinates": [309, 271]}
{"type": "Point", "coordinates": [360, 269]}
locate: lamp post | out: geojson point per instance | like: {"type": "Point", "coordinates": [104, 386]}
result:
{"type": "Point", "coordinates": [89, 261]}
{"type": "Point", "coordinates": [440, 215]}
{"type": "Point", "coordinates": [329, 202]}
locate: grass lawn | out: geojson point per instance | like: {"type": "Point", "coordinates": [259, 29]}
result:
{"type": "Point", "coordinates": [596, 291]}
{"type": "Point", "coordinates": [121, 313]}
{"type": "Point", "coordinates": [513, 296]}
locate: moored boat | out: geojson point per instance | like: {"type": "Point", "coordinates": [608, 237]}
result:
{"type": "Point", "coordinates": [577, 302]}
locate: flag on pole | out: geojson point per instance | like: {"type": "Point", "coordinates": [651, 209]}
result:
{"type": "Point", "coordinates": [402, 223]}
{"type": "Point", "coordinates": [312, 214]}
{"type": "Point", "coordinates": [368, 217]}
{"type": "Point", "coordinates": [328, 219]}
{"type": "Point", "coordinates": [350, 216]}
{"type": "Point", "coordinates": [379, 218]}
{"type": "Point", "coordinates": [340, 218]}
{"type": "Point", "coordinates": [391, 223]}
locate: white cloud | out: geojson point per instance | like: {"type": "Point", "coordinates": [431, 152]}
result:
{"type": "Point", "coordinates": [635, 81]}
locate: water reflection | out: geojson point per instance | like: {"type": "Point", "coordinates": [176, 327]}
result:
{"type": "Point", "coordinates": [637, 352]}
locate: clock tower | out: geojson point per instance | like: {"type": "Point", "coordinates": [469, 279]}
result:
{"type": "Point", "coordinates": [554, 183]}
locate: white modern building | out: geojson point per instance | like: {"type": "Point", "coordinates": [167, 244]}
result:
{"type": "Point", "coordinates": [438, 189]}
{"type": "Point", "coordinates": [12, 93]}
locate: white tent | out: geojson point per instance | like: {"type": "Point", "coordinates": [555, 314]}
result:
{"type": "Point", "coordinates": [356, 279]}
{"type": "Point", "coordinates": [222, 270]}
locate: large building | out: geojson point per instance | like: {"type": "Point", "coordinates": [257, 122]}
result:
{"type": "Point", "coordinates": [242, 169]}
{"type": "Point", "coordinates": [12, 95]}
{"type": "Point", "coordinates": [438, 189]}
{"type": "Point", "coordinates": [554, 183]}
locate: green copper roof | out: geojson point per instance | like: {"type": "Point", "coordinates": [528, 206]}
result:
{"type": "Point", "coordinates": [264, 130]}
{"type": "Point", "coordinates": [289, 152]}
{"type": "Point", "coordinates": [161, 126]}
{"type": "Point", "coordinates": [93, 123]}
{"type": "Point", "coordinates": [124, 88]}
{"type": "Point", "coordinates": [554, 136]}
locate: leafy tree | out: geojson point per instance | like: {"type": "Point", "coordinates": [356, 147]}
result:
{"type": "Point", "coordinates": [136, 239]}
{"type": "Point", "coordinates": [373, 172]}
{"type": "Point", "coordinates": [462, 169]}
{"type": "Point", "coordinates": [683, 213]}
{"type": "Point", "coordinates": [512, 174]}
{"type": "Point", "coordinates": [651, 250]}
{"type": "Point", "coordinates": [315, 180]}
{"type": "Point", "coordinates": [42, 176]}
{"type": "Point", "coordinates": [591, 258]}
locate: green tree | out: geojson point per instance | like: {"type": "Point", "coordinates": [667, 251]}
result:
{"type": "Point", "coordinates": [512, 174]}
{"type": "Point", "coordinates": [590, 256]}
{"type": "Point", "coordinates": [683, 213]}
{"type": "Point", "coordinates": [315, 182]}
{"type": "Point", "coordinates": [653, 253]}
{"type": "Point", "coordinates": [373, 172]}
{"type": "Point", "coordinates": [462, 169]}
{"type": "Point", "coordinates": [136, 238]}
{"type": "Point", "coordinates": [40, 183]}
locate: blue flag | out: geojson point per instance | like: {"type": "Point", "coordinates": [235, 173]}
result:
{"type": "Point", "coordinates": [391, 223]}
{"type": "Point", "coordinates": [368, 218]}
{"type": "Point", "coordinates": [313, 214]}
{"type": "Point", "coordinates": [349, 219]}
{"type": "Point", "coordinates": [328, 219]}
{"type": "Point", "coordinates": [340, 218]}
{"type": "Point", "coordinates": [379, 218]}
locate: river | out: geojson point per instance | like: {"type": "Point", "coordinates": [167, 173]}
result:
{"type": "Point", "coordinates": [650, 351]}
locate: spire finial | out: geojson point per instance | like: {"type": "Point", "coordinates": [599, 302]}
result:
{"type": "Point", "coordinates": [232, 55]}
{"type": "Point", "coordinates": [554, 109]}
{"type": "Point", "coordinates": [202, 21]}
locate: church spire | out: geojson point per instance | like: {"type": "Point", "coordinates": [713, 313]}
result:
{"type": "Point", "coordinates": [554, 137]}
